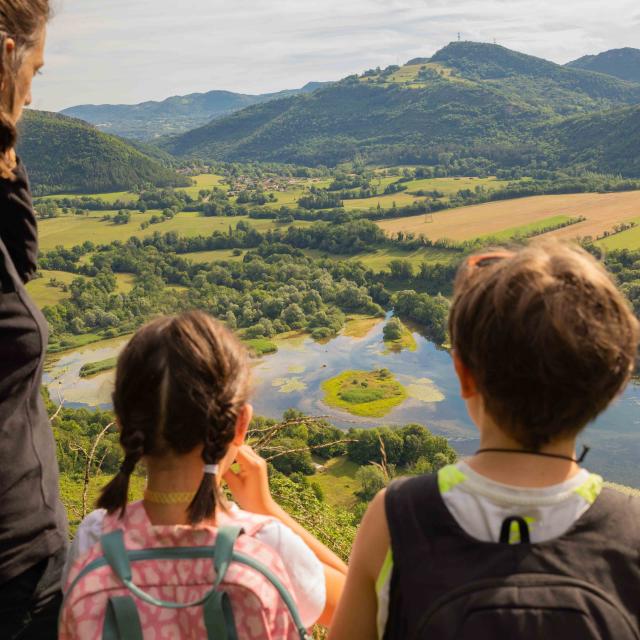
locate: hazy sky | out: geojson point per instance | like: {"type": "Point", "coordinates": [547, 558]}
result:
{"type": "Point", "coordinates": [127, 51]}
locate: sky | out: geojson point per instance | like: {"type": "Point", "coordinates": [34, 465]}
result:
{"type": "Point", "coordinates": [129, 51]}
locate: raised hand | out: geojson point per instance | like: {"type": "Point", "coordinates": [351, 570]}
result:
{"type": "Point", "coordinates": [250, 483]}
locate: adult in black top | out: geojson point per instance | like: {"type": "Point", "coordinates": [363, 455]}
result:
{"type": "Point", "coordinates": [33, 532]}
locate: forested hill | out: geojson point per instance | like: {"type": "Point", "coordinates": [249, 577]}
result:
{"type": "Point", "coordinates": [68, 155]}
{"type": "Point", "coordinates": [621, 63]}
{"type": "Point", "coordinates": [606, 142]}
{"type": "Point", "coordinates": [469, 101]}
{"type": "Point", "coordinates": [174, 115]}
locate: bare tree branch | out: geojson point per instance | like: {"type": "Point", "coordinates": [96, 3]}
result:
{"type": "Point", "coordinates": [87, 467]}
{"type": "Point", "coordinates": [281, 452]}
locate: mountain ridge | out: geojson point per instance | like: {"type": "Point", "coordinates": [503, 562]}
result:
{"type": "Point", "coordinates": [175, 114]}
{"type": "Point", "coordinates": [623, 63]}
{"type": "Point", "coordinates": [468, 100]}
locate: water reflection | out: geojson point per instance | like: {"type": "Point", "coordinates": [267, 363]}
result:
{"type": "Point", "coordinates": [291, 378]}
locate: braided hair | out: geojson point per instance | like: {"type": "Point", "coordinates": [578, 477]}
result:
{"type": "Point", "coordinates": [180, 383]}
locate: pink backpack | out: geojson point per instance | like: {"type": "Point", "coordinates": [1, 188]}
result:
{"type": "Point", "coordinates": [172, 582]}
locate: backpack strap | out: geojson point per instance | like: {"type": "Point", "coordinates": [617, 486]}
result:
{"type": "Point", "coordinates": [122, 621]}
{"type": "Point", "coordinates": [218, 613]}
{"type": "Point", "coordinates": [505, 530]}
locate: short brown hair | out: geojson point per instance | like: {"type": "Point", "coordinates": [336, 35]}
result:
{"type": "Point", "coordinates": [547, 336]}
{"type": "Point", "coordinates": [180, 383]}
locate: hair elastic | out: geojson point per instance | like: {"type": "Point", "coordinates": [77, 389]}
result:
{"type": "Point", "coordinates": [211, 469]}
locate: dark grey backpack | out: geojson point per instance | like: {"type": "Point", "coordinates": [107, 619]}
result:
{"type": "Point", "coordinates": [447, 585]}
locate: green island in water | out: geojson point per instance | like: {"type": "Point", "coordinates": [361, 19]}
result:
{"type": "Point", "coordinates": [94, 368]}
{"type": "Point", "coordinates": [364, 393]}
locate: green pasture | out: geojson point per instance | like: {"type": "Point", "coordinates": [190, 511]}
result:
{"type": "Point", "coordinates": [70, 231]}
{"type": "Point", "coordinates": [217, 255]}
{"type": "Point", "coordinates": [447, 186]}
{"type": "Point", "coordinates": [125, 196]}
{"type": "Point", "coordinates": [337, 479]}
{"type": "Point", "coordinates": [379, 260]}
{"type": "Point", "coordinates": [46, 295]}
{"type": "Point", "coordinates": [527, 229]}
{"type": "Point", "coordinates": [204, 181]}
{"type": "Point", "coordinates": [629, 239]}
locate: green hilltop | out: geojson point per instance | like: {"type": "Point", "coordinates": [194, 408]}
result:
{"type": "Point", "coordinates": [469, 102]}
{"type": "Point", "coordinates": [67, 155]}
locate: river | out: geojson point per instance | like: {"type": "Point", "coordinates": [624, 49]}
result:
{"type": "Point", "coordinates": [291, 378]}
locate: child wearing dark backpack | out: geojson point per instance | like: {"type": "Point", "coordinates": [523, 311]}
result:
{"type": "Point", "coordinates": [184, 562]}
{"type": "Point", "coordinates": [517, 541]}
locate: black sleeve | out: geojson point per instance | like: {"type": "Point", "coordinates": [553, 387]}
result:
{"type": "Point", "coordinates": [18, 227]}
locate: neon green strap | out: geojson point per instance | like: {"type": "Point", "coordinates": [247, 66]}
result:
{"type": "Point", "coordinates": [121, 621]}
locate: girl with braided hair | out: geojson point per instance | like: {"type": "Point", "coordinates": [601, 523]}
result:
{"type": "Point", "coordinates": [181, 403]}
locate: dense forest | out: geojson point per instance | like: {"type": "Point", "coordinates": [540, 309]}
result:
{"type": "Point", "coordinates": [68, 155]}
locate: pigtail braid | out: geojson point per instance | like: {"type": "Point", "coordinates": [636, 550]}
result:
{"type": "Point", "coordinates": [218, 437]}
{"type": "Point", "coordinates": [114, 496]}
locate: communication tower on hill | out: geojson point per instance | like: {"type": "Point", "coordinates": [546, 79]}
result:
{"type": "Point", "coordinates": [458, 36]}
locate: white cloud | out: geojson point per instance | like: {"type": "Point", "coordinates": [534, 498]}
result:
{"type": "Point", "coordinates": [134, 50]}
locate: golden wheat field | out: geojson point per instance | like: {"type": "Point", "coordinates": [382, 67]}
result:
{"type": "Point", "coordinates": [601, 210]}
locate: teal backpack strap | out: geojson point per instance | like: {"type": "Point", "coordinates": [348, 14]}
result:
{"type": "Point", "coordinates": [115, 554]}
{"type": "Point", "coordinates": [122, 621]}
{"type": "Point", "coordinates": [223, 555]}
{"type": "Point", "coordinates": [218, 615]}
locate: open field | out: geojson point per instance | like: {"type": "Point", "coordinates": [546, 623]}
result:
{"type": "Point", "coordinates": [203, 181]}
{"type": "Point", "coordinates": [338, 481]}
{"type": "Point", "coordinates": [218, 255]}
{"type": "Point", "coordinates": [46, 295]}
{"type": "Point", "coordinates": [629, 239]}
{"type": "Point", "coordinates": [379, 259]}
{"type": "Point", "coordinates": [69, 231]}
{"type": "Point", "coordinates": [125, 196]}
{"type": "Point", "coordinates": [602, 213]}
{"type": "Point", "coordinates": [446, 186]}
{"type": "Point", "coordinates": [529, 229]}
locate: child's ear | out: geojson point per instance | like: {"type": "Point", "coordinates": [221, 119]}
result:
{"type": "Point", "coordinates": [242, 425]}
{"type": "Point", "coordinates": [468, 387]}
